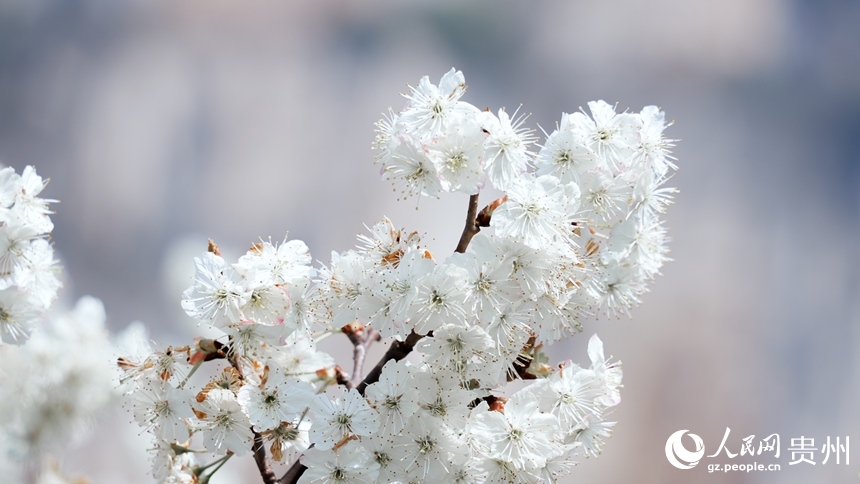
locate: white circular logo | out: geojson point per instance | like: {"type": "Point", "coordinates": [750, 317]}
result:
{"type": "Point", "coordinates": [679, 456]}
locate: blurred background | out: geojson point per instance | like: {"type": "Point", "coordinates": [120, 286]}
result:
{"type": "Point", "coordinates": [164, 123]}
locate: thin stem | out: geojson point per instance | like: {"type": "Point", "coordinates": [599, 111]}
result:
{"type": "Point", "coordinates": [219, 461]}
{"type": "Point", "coordinates": [358, 353]}
{"type": "Point", "coordinates": [317, 337]}
{"type": "Point", "coordinates": [204, 478]}
{"type": "Point", "coordinates": [188, 377]}
{"type": "Point", "coordinates": [223, 461]}
{"type": "Point", "coordinates": [361, 340]}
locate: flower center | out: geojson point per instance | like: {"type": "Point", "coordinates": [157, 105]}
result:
{"type": "Point", "coordinates": [382, 458]}
{"type": "Point", "coordinates": [563, 157]}
{"type": "Point", "coordinates": [438, 408]}
{"type": "Point", "coordinates": [344, 421]}
{"type": "Point", "coordinates": [456, 161]}
{"type": "Point", "coordinates": [425, 445]}
{"type": "Point", "coordinates": [392, 402]}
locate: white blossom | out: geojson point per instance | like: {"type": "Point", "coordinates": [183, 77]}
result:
{"type": "Point", "coordinates": [217, 295]}
{"type": "Point", "coordinates": [339, 418]}
{"type": "Point", "coordinates": [351, 463]}
{"type": "Point", "coordinates": [432, 448]}
{"type": "Point", "coordinates": [440, 299]}
{"type": "Point", "coordinates": [521, 434]}
{"type": "Point", "coordinates": [394, 396]}
{"type": "Point", "coordinates": [507, 147]}
{"type": "Point", "coordinates": [223, 423]}
{"type": "Point", "coordinates": [163, 409]}
{"type": "Point", "coordinates": [278, 399]}
{"type": "Point", "coordinates": [538, 211]}
{"type": "Point", "coordinates": [433, 108]}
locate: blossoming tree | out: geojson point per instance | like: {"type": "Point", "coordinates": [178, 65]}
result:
{"type": "Point", "coordinates": [576, 233]}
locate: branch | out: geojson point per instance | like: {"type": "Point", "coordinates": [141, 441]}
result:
{"type": "Point", "coordinates": [471, 227]}
{"type": "Point", "coordinates": [358, 354]}
{"type": "Point", "coordinates": [361, 338]}
{"type": "Point", "coordinates": [293, 474]}
{"type": "Point", "coordinates": [262, 460]}
{"type": "Point", "coordinates": [258, 448]}
{"type": "Point", "coordinates": [397, 351]}
{"type": "Point", "coordinates": [475, 220]}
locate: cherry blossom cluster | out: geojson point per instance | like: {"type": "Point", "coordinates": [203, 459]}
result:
{"type": "Point", "coordinates": [53, 386]}
{"type": "Point", "coordinates": [28, 271]}
{"type": "Point", "coordinates": [259, 305]}
{"type": "Point", "coordinates": [590, 196]}
{"type": "Point", "coordinates": [575, 233]}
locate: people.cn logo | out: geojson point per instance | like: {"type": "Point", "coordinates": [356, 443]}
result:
{"type": "Point", "coordinates": [679, 456]}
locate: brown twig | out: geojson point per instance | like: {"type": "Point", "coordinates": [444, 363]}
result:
{"type": "Point", "coordinates": [397, 351]}
{"type": "Point", "coordinates": [293, 474]}
{"type": "Point", "coordinates": [471, 227]}
{"type": "Point", "coordinates": [262, 460]}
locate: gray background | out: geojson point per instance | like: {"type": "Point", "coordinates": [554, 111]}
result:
{"type": "Point", "coordinates": [162, 123]}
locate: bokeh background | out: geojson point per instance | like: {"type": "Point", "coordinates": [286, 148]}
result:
{"type": "Point", "coordinates": [162, 123]}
